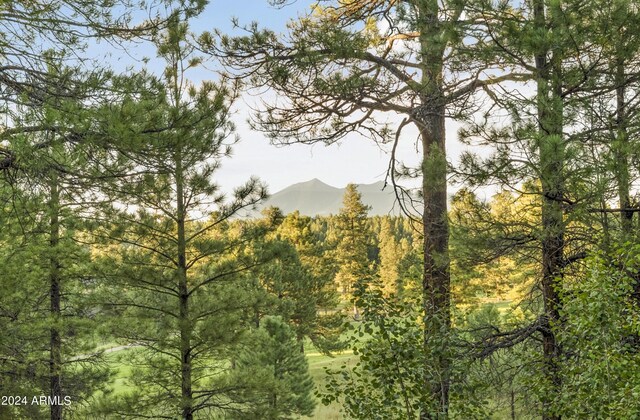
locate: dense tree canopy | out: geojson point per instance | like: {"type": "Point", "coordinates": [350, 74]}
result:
{"type": "Point", "coordinates": [133, 287]}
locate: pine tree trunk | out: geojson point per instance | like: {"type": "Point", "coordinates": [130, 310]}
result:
{"type": "Point", "coordinates": [436, 279]}
{"type": "Point", "coordinates": [436, 282]}
{"type": "Point", "coordinates": [185, 355]}
{"type": "Point", "coordinates": [512, 404]}
{"type": "Point", "coordinates": [55, 345]}
{"type": "Point", "coordinates": [621, 153]}
{"type": "Point", "coordinates": [551, 149]}
{"type": "Point", "coordinates": [184, 321]}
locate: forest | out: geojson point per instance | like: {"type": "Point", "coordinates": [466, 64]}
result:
{"type": "Point", "coordinates": [134, 285]}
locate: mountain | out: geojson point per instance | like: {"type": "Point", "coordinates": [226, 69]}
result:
{"type": "Point", "coordinates": [317, 198]}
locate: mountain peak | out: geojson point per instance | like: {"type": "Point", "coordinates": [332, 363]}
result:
{"type": "Point", "coordinates": [315, 181]}
{"type": "Point", "coordinates": [315, 197]}
{"type": "Point", "coordinates": [376, 186]}
{"type": "Point", "coordinates": [314, 184]}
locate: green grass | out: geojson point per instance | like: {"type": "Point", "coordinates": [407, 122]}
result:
{"type": "Point", "coordinates": [317, 364]}
{"type": "Point", "coordinates": [122, 370]}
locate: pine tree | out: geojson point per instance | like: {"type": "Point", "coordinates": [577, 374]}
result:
{"type": "Point", "coordinates": [317, 296]}
{"type": "Point", "coordinates": [351, 253]}
{"type": "Point", "coordinates": [52, 196]}
{"type": "Point", "coordinates": [32, 33]}
{"type": "Point", "coordinates": [272, 355]}
{"type": "Point", "coordinates": [543, 153]}
{"type": "Point", "coordinates": [390, 256]}
{"type": "Point", "coordinates": [180, 271]}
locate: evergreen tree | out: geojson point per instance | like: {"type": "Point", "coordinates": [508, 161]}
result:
{"type": "Point", "coordinates": [492, 247]}
{"type": "Point", "coordinates": [609, 110]}
{"type": "Point", "coordinates": [318, 297]}
{"type": "Point", "coordinates": [390, 256]}
{"type": "Point", "coordinates": [51, 197]}
{"type": "Point", "coordinates": [541, 152]}
{"type": "Point", "coordinates": [285, 387]}
{"type": "Point", "coordinates": [180, 274]}
{"type": "Point", "coordinates": [32, 32]}
{"type": "Point", "coordinates": [351, 253]}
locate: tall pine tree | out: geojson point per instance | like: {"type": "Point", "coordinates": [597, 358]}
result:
{"type": "Point", "coordinates": [351, 253]}
{"type": "Point", "coordinates": [179, 274]}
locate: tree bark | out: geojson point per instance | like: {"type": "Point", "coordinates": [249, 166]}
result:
{"type": "Point", "coordinates": [183, 288]}
{"type": "Point", "coordinates": [436, 278]}
{"type": "Point", "coordinates": [55, 345]}
{"type": "Point", "coordinates": [551, 150]}
{"type": "Point", "coordinates": [621, 153]}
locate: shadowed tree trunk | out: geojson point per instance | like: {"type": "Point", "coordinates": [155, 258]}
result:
{"type": "Point", "coordinates": [430, 118]}
{"type": "Point", "coordinates": [55, 349]}
{"type": "Point", "coordinates": [551, 154]}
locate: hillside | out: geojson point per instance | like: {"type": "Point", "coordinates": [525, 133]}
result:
{"type": "Point", "coordinates": [317, 198]}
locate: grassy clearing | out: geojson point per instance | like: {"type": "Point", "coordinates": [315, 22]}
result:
{"type": "Point", "coordinates": [317, 364]}
{"type": "Point", "coordinates": [122, 370]}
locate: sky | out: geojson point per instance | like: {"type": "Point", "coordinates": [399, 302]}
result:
{"type": "Point", "coordinates": [355, 160]}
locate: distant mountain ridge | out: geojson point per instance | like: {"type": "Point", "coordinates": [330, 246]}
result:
{"type": "Point", "coordinates": [315, 198]}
